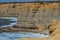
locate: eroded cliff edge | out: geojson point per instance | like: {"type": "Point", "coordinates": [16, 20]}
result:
{"type": "Point", "coordinates": [54, 28]}
{"type": "Point", "coordinates": [31, 14]}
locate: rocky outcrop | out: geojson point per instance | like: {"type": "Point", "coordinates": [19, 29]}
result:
{"type": "Point", "coordinates": [15, 28]}
{"type": "Point", "coordinates": [54, 28]}
{"type": "Point", "coordinates": [31, 13]}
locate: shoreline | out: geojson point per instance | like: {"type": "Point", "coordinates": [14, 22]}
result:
{"type": "Point", "coordinates": [18, 29]}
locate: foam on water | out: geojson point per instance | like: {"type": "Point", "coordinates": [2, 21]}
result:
{"type": "Point", "coordinates": [10, 18]}
{"type": "Point", "coordinates": [17, 35]}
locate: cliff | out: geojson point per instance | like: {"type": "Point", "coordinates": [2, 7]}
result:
{"type": "Point", "coordinates": [31, 15]}
{"type": "Point", "coordinates": [54, 32]}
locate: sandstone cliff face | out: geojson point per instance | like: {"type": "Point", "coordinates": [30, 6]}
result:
{"type": "Point", "coordinates": [55, 32]}
{"type": "Point", "coordinates": [31, 14]}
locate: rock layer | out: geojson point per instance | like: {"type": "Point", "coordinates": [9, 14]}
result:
{"type": "Point", "coordinates": [55, 34]}
{"type": "Point", "coordinates": [31, 14]}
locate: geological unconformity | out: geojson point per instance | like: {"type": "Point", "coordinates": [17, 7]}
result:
{"type": "Point", "coordinates": [31, 14]}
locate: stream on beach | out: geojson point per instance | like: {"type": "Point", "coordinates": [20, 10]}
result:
{"type": "Point", "coordinates": [8, 22]}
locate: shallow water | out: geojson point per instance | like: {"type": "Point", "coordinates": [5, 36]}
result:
{"type": "Point", "coordinates": [17, 35]}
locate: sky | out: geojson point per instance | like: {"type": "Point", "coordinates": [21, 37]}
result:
{"type": "Point", "coordinates": [23, 0]}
